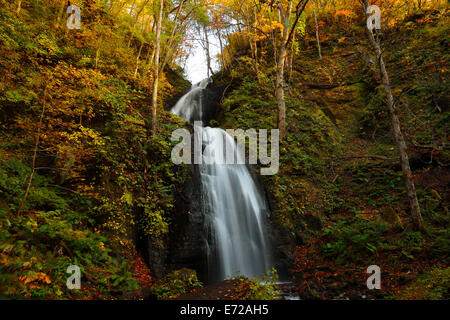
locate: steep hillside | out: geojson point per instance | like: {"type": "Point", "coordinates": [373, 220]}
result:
{"type": "Point", "coordinates": [339, 196]}
{"type": "Point", "coordinates": [73, 110]}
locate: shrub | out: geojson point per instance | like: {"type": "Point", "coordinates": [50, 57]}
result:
{"type": "Point", "coordinates": [176, 283]}
{"type": "Point", "coordinates": [352, 238]}
{"type": "Point", "coordinates": [256, 289]}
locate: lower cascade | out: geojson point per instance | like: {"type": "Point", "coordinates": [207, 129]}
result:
{"type": "Point", "coordinates": [235, 209]}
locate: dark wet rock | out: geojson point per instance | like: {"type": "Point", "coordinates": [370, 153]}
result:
{"type": "Point", "coordinates": [188, 239]}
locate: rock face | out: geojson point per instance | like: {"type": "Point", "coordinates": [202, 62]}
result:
{"type": "Point", "coordinates": [188, 239]}
{"type": "Point", "coordinates": [210, 97]}
{"type": "Point", "coordinates": [151, 252]}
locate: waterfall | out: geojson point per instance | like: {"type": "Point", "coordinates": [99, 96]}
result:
{"type": "Point", "coordinates": [235, 210]}
{"type": "Point", "coordinates": [189, 107]}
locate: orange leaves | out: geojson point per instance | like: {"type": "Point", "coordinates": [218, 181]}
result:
{"type": "Point", "coordinates": [35, 277]}
{"type": "Point", "coordinates": [344, 12]}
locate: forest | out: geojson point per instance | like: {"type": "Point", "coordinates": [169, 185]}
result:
{"type": "Point", "coordinates": [351, 93]}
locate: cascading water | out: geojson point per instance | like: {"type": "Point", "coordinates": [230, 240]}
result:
{"type": "Point", "coordinates": [189, 107]}
{"type": "Point", "coordinates": [232, 203]}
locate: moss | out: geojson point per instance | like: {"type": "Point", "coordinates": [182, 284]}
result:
{"type": "Point", "coordinates": [433, 285]}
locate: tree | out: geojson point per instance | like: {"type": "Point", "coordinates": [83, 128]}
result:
{"type": "Point", "coordinates": [35, 151]}
{"type": "Point", "coordinates": [317, 30]}
{"type": "Point", "coordinates": [156, 67]}
{"type": "Point", "coordinates": [208, 55]}
{"type": "Point", "coordinates": [395, 122]}
{"type": "Point", "coordinates": [286, 13]}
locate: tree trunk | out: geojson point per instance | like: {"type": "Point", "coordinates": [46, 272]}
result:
{"type": "Point", "coordinates": [19, 6]}
{"type": "Point", "coordinates": [156, 67]}
{"type": "Point", "coordinates": [222, 64]}
{"type": "Point", "coordinates": [287, 35]}
{"type": "Point", "coordinates": [254, 46]}
{"type": "Point", "coordinates": [169, 45]}
{"type": "Point", "coordinates": [208, 56]}
{"type": "Point", "coordinates": [137, 60]}
{"type": "Point", "coordinates": [317, 32]}
{"type": "Point", "coordinates": [399, 139]}
{"type": "Point", "coordinates": [61, 12]}
{"type": "Point", "coordinates": [290, 58]}
{"type": "Point", "coordinates": [279, 85]}
{"type": "Point", "coordinates": [97, 56]}
{"type": "Point", "coordinates": [33, 162]}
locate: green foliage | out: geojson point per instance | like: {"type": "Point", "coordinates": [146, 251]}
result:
{"type": "Point", "coordinates": [100, 179]}
{"type": "Point", "coordinates": [300, 187]}
{"type": "Point", "coordinates": [354, 238]}
{"type": "Point", "coordinates": [433, 285]}
{"type": "Point", "coordinates": [176, 283]}
{"type": "Point", "coordinates": [257, 289]}
{"type": "Point", "coordinates": [37, 248]}
{"type": "Point", "coordinates": [13, 175]}
{"type": "Point", "coordinates": [441, 245]}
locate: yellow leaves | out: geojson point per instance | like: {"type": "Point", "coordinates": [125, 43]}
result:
{"type": "Point", "coordinates": [35, 277]}
{"type": "Point", "coordinates": [32, 225]}
{"type": "Point", "coordinates": [84, 135]}
{"type": "Point", "coordinates": [101, 245]}
{"type": "Point", "coordinates": [270, 26]}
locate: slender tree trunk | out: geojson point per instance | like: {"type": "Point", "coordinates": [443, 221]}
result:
{"type": "Point", "coordinates": [140, 11]}
{"type": "Point", "coordinates": [280, 56]}
{"type": "Point", "coordinates": [152, 56]}
{"type": "Point", "coordinates": [219, 36]}
{"type": "Point", "coordinates": [290, 59]}
{"type": "Point", "coordinates": [317, 32]}
{"type": "Point", "coordinates": [97, 56]}
{"type": "Point", "coordinates": [208, 56]}
{"type": "Point", "coordinates": [254, 50]}
{"type": "Point", "coordinates": [19, 6]}
{"type": "Point", "coordinates": [133, 6]}
{"type": "Point", "coordinates": [169, 45]}
{"type": "Point", "coordinates": [33, 161]}
{"type": "Point", "coordinates": [279, 85]}
{"type": "Point", "coordinates": [61, 12]}
{"type": "Point", "coordinates": [398, 135]}
{"type": "Point", "coordinates": [137, 60]}
{"type": "Point", "coordinates": [156, 66]}
{"type": "Point", "coordinates": [254, 47]}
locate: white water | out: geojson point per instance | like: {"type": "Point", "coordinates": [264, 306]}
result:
{"type": "Point", "coordinates": [189, 107]}
{"type": "Point", "coordinates": [234, 207]}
